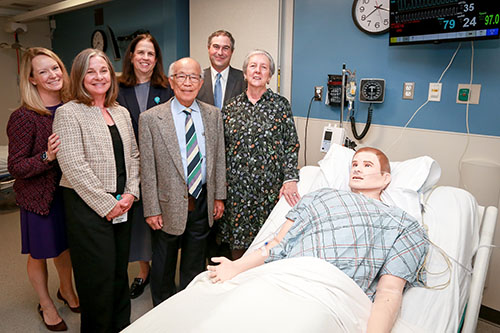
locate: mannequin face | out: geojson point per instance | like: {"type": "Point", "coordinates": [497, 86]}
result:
{"type": "Point", "coordinates": [366, 175]}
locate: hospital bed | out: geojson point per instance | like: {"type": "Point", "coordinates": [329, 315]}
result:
{"type": "Point", "coordinates": [310, 295]}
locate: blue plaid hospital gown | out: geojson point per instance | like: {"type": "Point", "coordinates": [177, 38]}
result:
{"type": "Point", "coordinates": [361, 236]}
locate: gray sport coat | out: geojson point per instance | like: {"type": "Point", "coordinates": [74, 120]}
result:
{"type": "Point", "coordinates": [164, 189]}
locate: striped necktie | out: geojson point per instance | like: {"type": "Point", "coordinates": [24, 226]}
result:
{"type": "Point", "coordinates": [218, 92]}
{"type": "Point", "coordinates": [193, 156]}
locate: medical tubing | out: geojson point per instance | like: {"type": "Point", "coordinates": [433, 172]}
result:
{"type": "Point", "coordinates": [367, 125]}
{"type": "Point", "coordinates": [305, 131]}
{"type": "Point", "coordinates": [425, 103]}
{"type": "Point", "coordinates": [467, 116]}
{"type": "Point", "coordinates": [445, 256]}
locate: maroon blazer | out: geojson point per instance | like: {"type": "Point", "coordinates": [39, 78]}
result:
{"type": "Point", "coordinates": [36, 181]}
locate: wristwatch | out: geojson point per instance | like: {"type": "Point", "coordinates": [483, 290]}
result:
{"type": "Point", "coordinates": [45, 157]}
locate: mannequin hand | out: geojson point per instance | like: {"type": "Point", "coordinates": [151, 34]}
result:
{"type": "Point", "coordinates": [226, 270]}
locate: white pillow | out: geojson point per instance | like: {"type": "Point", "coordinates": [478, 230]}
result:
{"type": "Point", "coordinates": [419, 174]}
{"type": "Point", "coordinates": [410, 178]}
{"type": "Point", "coordinates": [336, 166]}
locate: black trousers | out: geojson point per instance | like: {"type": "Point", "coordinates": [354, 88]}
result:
{"type": "Point", "coordinates": [216, 248]}
{"type": "Point", "coordinates": [99, 253]}
{"type": "Point", "coordinates": [193, 244]}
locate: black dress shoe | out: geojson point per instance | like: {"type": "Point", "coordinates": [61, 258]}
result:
{"type": "Point", "coordinates": [137, 287]}
{"type": "Point", "coordinates": [75, 309]}
{"type": "Point", "coordinates": [60, 326]}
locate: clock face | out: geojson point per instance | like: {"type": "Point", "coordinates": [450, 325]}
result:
{"type": "Point", "coordinates": [371, 16]}
{"type": "Point", "coordinates": [99, 40]}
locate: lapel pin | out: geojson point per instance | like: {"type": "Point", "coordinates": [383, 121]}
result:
{"type": "Point", "coordinates": [157, 100]}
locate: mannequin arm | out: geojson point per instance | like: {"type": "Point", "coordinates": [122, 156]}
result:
{"type": "Point", "coordinates": [228, 269]}
{"type": "Point", "coordinates": [385, 308]}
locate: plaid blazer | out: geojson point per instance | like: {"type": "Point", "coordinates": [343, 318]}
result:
{"type": "Point", "coordinates": [86, 155]}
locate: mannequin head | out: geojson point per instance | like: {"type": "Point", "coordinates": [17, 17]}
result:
{"type": "Point", "coordinates": [370, 172]}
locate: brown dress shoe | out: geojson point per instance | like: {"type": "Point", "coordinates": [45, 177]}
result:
{"type": "Point", "coordinates": [76, 309]}
{"type": "Point", "coordinates": [60, 326]}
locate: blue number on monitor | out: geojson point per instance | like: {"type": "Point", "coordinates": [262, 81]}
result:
{"type": "Point", "coordinates": [449, 24]}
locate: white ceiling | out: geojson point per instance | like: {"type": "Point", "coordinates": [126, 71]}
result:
{"type": "Point", "coordinates": [28, 10]}
{"type": "Point", "coordinates": [14, 7]}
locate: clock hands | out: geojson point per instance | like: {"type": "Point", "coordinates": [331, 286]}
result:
{"type": "Point", "coordinates": [373, 11]}
{"type": "Point", "coordinates": [377, 8]}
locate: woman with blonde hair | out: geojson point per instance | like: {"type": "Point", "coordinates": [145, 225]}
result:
{"type": "Point", "coordinates": [32, 161]}
{"type": "Point", "coordinates": [100, 164]}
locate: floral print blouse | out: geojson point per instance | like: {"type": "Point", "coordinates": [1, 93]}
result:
{"type": "Point", "coordinates": [261, 153]}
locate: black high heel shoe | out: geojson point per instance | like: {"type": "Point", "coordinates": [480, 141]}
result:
{"type": "Point", "coordinates": [59, 296]}
{"type": "Point", "coordinates": [59, 327]}
{"type": "Point", "coordinates": [137, 287]}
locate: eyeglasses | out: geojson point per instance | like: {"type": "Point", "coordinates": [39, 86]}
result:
{"type": "Point", "coordinates": [195, 78]}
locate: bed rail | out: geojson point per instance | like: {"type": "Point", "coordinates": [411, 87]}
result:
{"type": "Point", "coordinates": [481, 262]}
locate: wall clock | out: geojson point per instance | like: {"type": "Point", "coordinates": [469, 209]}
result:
{"type": "Point", "coordinates": [98, 40]}
{"type": "Point", "coordinates": [371, 16]}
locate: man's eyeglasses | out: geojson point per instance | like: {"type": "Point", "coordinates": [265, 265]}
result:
{"type": "Point", "coordinates": [195, 78]}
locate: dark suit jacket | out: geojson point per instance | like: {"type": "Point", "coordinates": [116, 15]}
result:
{"type": "Point", "coordinates": [235, 85]}
{"type": "Point", "coordinates": [164, 189]}
{"type": "Point", "coordinates": [128, 99]}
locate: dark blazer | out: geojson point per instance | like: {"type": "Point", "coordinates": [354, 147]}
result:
{"type": "Point", "coordinates": [236, 84]}
{"type": "Point", "coordinates": [164, 189]}
{"type": "Point", "coordinates": [36, 181]}
{"type": "Point", "coordinates": [128, 99]}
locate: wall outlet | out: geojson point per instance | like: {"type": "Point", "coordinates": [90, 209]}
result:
{"type": "Point", "coordinates": [318, 93]}
{"type": "Point", "coordinates": [408, 90]}
{"type": "Point", "coordinates": [435, 91]}
{"type": "Point", "coordinates": [468, 91]}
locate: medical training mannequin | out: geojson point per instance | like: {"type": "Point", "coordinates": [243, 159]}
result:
{"type": "Point", "coordinates": [370, 175]}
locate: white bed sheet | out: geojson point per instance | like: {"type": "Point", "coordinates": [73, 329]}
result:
{"type": "Point", "coordinates": [242, 305]}
{"type": "Point", "coordinates": [293, 295]}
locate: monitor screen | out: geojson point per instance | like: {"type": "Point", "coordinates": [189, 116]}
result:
{"type": "Point", "coordinates": [434, 21]}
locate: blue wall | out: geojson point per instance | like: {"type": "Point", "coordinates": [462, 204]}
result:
{"type": "Point", "coordinates": [166, 20]}
{"type": "Point", "coordinates": [325, 37]}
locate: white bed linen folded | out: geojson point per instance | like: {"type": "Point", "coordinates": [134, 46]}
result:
{"type": "Point", "coordinates": [293, 295]}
